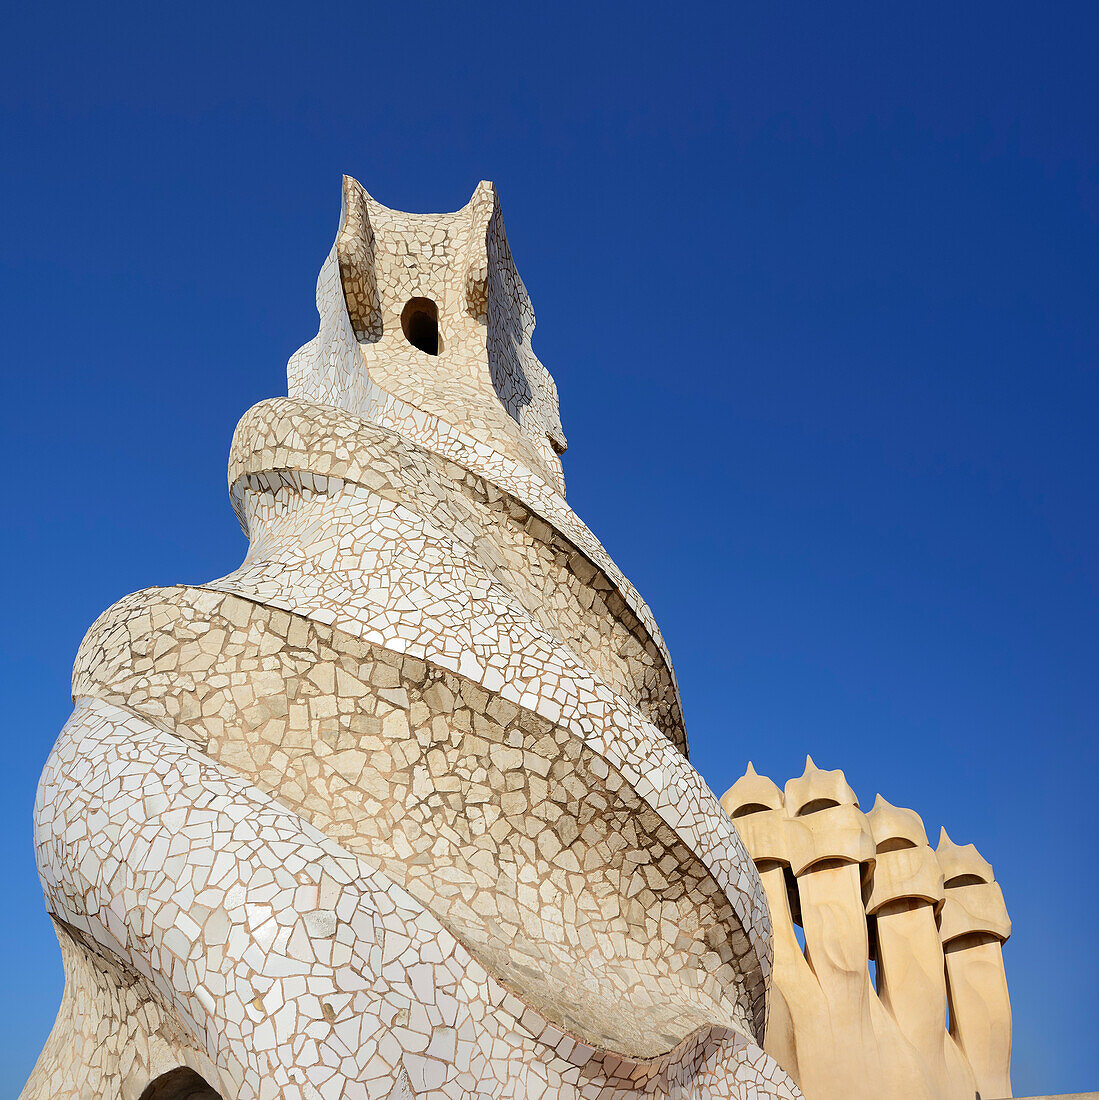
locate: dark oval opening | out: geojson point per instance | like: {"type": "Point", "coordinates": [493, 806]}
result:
{"type": "Point", "coordinates": [749, 809]}
{"type": "Point", "coordinates": [964, 880]}
{"type": "Point", "coordinates": [816, 806]}
{"type": "Point", "coordinates": [420, 324]}
{"type": "Point", "coordinates": [895, 844]}
{"type": "Point", "coordinates": [180, 1084]}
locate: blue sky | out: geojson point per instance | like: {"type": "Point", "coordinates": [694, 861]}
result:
{"type": "Point", "coordinates": [817, 283]}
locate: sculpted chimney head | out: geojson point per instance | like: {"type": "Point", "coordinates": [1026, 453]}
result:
{"type": "Point", "coordinates": [962, 864]}
{"type": "Point", "coordinates": [751, 793]}
{"type": "Point", "coordinates": [754, 802]}
{"type": "Point", "coordinates": [817, 790]}
{"type": "Point", "coordinates": [895, 828]}
{"type": "Point", "coordinates": [426, 313]}
{"type": "Point", "coordinates": [974, 910]}
{"type": "Point", "coordinates": [827, 825]}
{"type": "Point", "coordinates": [905, 868]}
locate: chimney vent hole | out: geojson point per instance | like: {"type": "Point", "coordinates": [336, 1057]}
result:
{"type": "Point", "coordinates": [420, 324]}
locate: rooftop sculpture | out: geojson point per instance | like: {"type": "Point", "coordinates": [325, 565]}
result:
{"type": "Point", "coordinates": [401, 807]}
{"type": "Point", "coordinates": [868, 888]}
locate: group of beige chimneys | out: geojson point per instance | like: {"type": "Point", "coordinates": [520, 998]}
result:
{"type": "Point", "coordinates": [868, 888]}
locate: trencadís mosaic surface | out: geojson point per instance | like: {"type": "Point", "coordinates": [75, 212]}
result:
{"type": "Point", "coordinates": [401, 807]}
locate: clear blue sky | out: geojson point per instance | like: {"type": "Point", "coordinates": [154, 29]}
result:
{"type": "Point", "coordinates": [818, 285]}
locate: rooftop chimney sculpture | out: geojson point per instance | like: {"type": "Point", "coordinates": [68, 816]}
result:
{"type": "Point", "coordinates": [867, 888]}
{"type": "Point", "coordinates": [401, 806]}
